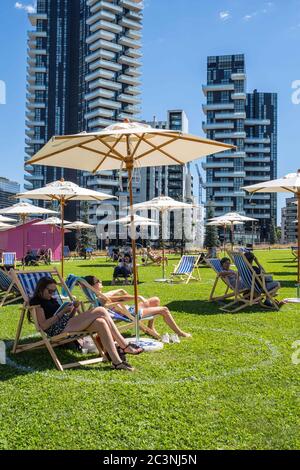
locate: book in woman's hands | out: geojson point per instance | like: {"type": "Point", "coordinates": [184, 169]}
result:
{"type": "Point", "coordinates": [63, 306]}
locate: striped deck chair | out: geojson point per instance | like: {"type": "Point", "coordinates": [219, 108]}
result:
{"type": "Point", "coordinates": [8, 291]}
{"type": "Point", "coordinates": [67, 253]}
{"type": "Point", "coordinates": [295, 252]}
{"type": "Point", "coordinates": [26, 283]}
{"type": "Point", "coordinates": [215, 264]}
{"type": "Point", "coordinates": [184, 270]}
{"type": "Point", "coordinates": [119, 312]}
{"type": "Point", "coordinates": [9, 260]}
{"type": "Point", "coordinates": [255, 283]}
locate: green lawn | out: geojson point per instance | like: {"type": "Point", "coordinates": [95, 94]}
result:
{"type": "Point", "coordinates": [233, 386]}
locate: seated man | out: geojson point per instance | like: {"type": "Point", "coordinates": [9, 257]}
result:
{"type": "Point", "coordinates": [31, 259]}
{"type": "Point", "coordinates": [124, 269]}
{"type": "Point", "coordinates": [231, 275]}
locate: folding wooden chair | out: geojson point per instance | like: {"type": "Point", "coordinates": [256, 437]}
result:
{"type": "Point", "coordinates": [120, 313]}
{"type": "Point", "coordinates": [26, 283]}
{"type": "Point", "coordinates": [184, 270]}
{"type": "Point", "coordinates": [8, 260]}
{"type": "Point", "coordinates": [295, 252]}
{"type": "Point", "coordinates": [253, 282]}
{"type": "Point", "coordinates": [8, 291]}
{"type": "Point", "coordinates": [215, 264]}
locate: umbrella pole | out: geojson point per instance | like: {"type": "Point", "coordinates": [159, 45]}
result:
{"type": "Point", "coordinates": [298, 274]}
{"type": "Point", "coordinates": [163, 245]}
{"type": "Point", "coordinates": [62, 216]}
{"type": "Point", "coordinates": [232, 237]}
{"type": "Point", "coordinates": [129, 166]}
{"type": "Point", "coordinates": [224, 244]}
{"type": "Point", "coordinates": [23, 234]}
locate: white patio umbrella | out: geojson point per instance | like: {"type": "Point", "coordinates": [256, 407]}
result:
{"type": "Point", "coordinates": [24, 210]}
{"type": "Point", "coordinates": [7, 219]}
{"type": "Point", "coordinates": [4, 226]}
{"type": "Point", "coordinates": [78, 226]}
{"type": "Point", "coordinates": [125, 145]}
{"type": "Point", "coordinates": [163, 204]}
{"type": "Point", "coordinates": [232, 217]}
{"type": "Point", "coordinates": [53, 222]}
{"type": "Point", "coordinates": [288, 184]}
{"type": "Point", "coordinates": [224, 223]}
{"type": "Point", "coordinates": [64, 191]}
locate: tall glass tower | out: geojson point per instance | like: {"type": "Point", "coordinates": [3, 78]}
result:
{"type": "Point", "coordinates": [248, 121]}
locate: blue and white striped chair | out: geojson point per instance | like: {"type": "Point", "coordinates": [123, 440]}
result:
{"type": "Point", "coordinates": [215, 264]}
{"type": "Point", "coordinates": [26, 282]}
{"type": "Point", "coordinates": [8, 291]}
{"type": "Point", "coordinates": [254, 283]}
{"type": "Point", "coordinates": [186, 267]}
{"type": "Point", "coordinates": [9, 260]}
{"type": "Point", "coordinates": [120, 313]}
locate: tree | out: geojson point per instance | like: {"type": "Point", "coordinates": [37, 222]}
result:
{"type": "Point", "coordinates": [211, 232]}
{"type": "Point", "coordinates": [273, 233]}
{"type": "Point", "coordinates": [85, 235]}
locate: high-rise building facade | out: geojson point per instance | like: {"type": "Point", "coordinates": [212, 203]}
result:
{"type": "Point", "coordinates": [288, 221]}
{"type": "Point", "coordinates": [249, 122]}
{"type": "Point", "coordinates": [8, 189]}
{"type": "Point", "coordinates": [83, 75]}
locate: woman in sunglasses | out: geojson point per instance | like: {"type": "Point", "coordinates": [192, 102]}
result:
{"type": "Point", "coordinates": [54, 321]}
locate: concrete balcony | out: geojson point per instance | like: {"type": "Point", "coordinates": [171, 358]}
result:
{"type": "Point", "coordinates": [220, 184]}
{"type": "Point", "coordinates": [129, 42]}
{"type": "Point", "coordinates": [108, 26]}
{"type": "Point", "coordinates": [35, 123]}
{"type": "Point", "coordinates": [97, 124]}
{"type": "Point", "coordinates": [34, 177]}
{"type": "Point", "coordinates": [256, 140]}
{"type": "Point", "coordinates": [102, 44]}
{"type": "Point", "coordinates": [230, 155]}
{"type": "Point", "coordinates": [230, 116]}
{"type": "Point", "coordinates": [132, 90]}
{"type": "Point", "coordinates": [267, 169]}
{"type": "Point", "coordinates": [129, 80]}
{"type": "Point", "coordinates": [239, 96]}
{"type": "Point", "coordinates": [100, 112]}
{"type": "Point", "coordinates": [133, 109]}
{"type": "Point", "coordinates": [133, 15]}
{"type": "Point", "coordinates": [37, 34]}
{"type": "Point", "coordinates": [123, 59]}
{"type": "Point", "coordinates": [133, 25]}
{"type": "Point", "coordinates": [106, 64]}
{"type": "Point", "coordinates": [251, 179]}
{"type": "Point", "coordinates": [93, 59]}
{"type": "Point", "coordinates": [211, 165]}
{"type": "Point", "coordinates": [34, 52]}
{"type": "Point", "coordinates": [257, 122]}
{"type": "Point", "coordinates": [105, 84]}
{"type": "Point", "coordinates": [134, 72]}
{"type": "Point", "coordinates": [257, 206]}
{"type": "Point", "coordinates": [230, 135]}
{"type": "Point", "coordinates": [108, 6]}
{"type": "Point", "coordinates": [223, 203]}
{"type": "Point", "coordinates": [257, 160]}
{"type": "Point", "coordinates": [217, 87]}
{"type": "Point", "coordinates": [128, 99]}
{"type": "Point", "coordinates": [100, 93]}
{"type": "Point", "coordinates": [238, 76]}
{"type": "Point", "coordinates": [224, 193]}
{"type": "Point", "coordinates": [259, 196]}
{"type": "Point", "coordinates": [231, 174]}
{"type": "Point", "coordinates": [215, 125]}
{"type": "Point", "coordinates": [132, 5]}
{"type": "Point", "coordinates": [34, 141]}
{"type": "Point", "coordinates": [217, 107]}
{"type": "Point", "coordinates": [100, 15]}
{"type": "Point", "coordinates": [33, 88]}
{"type": "Point", "coordinates": [257, 150]}
{"type": "Point", "coordinates": [32, 105]}
{"type": "Point", "coordinates": [101, 34]}
{"type": "Point", "coordinates": [105, 103]}
{"type": "Point", "coordinates": [101, 73]}
{"type": "Point", "coordinates": [37, 16]}
{"type": "Point", "coordinates": [135, 53]}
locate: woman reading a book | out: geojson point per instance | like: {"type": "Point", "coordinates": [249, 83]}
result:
{"type": "Point", "coordinates": [55, 319]}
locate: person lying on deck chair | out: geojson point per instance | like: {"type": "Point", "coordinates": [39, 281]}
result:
{"type": "Point", "coordinates": [147, 307]}
{"type": "Point", "coordinates": [96, 320]}
{"type": "Point", "coordinates": [154, 257]}
{"type": "Point", "coordinates": [230, 274]}
{"type": "Point", "coordinates": [270, 283]}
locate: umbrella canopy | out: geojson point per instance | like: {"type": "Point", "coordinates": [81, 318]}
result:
{"type": "Point", "coordinates": [125, 145]}
{"type": "Point", "coordinates": [288, 184]}
{"type": "Point", "coordinates": [233, 217]}
{"type": "Point", "coordinates": [137, 219]}
{"type": "Point", "coordinates": [52, 221]}
{"type": "Point", "coordinates": [6, 219]}
{"type": "Point", "coordinates": [79, 225]}
{"type": "Point", "coordinates": [24, 209]}
{"type": "Point", "coordinates": [224, 223]}
{"type": "Point", "coordinates": [4, 226]}
{"type": "Point", "coordinates": [64, 191]}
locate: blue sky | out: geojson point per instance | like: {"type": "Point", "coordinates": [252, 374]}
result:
{"type": "Point", "coordinates": [178, 36]}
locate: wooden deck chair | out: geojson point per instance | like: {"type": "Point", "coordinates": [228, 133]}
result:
{"type": "Point", "coordinates": [255, 283]}
{"type": "Point", "coordinates": [295, 252]}
{"type": "Point", "coordinates": [9, 260]}
{"type": "Point", "coordinates": [119, 312]}
{"type": "Point", "coordinates": [184, 270]}
{"type": "Point", "coordinates": [151, 258]}
{"type": "Point", "coordinates": [8, 291]}
{"type": "Point", "coordinates": [67, 253]}
{"type": "Point", "coordinates": [26, 283]}
{"type": "Point", "coordinates": [215, 264]}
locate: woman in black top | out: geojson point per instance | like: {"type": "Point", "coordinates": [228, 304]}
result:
{"type": "Point", "coordinates": [94, 321]}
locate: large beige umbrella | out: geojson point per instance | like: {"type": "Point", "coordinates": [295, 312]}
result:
{"type": "Point", "coordinates": [224, 223]}
{"type": "Point", "coordinates": [232, 217]}
{"type": "Point", "coordinates": [288, 184]}
{"type": "Point", "coordinates": [24, 210]}
{"type": "Point", "coordinates": [125, 145]}
{"type": "Point", "coordinates": [62, 192]}
{"type": "Point", "coordinates": [163, 204]}
{"type": "Point", "coordinates": [4, 226]}
{"type": "Point", "coordinates": [7, 219]}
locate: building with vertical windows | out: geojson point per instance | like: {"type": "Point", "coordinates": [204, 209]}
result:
{"type": "Point", "coordinates": [83, 75]}
{"type": "Point", "coordinates": [8, 189]}
{"type": "Point", "coordinates": [249, 122]}
{"type": "Point", "coordinates": [289, 217]}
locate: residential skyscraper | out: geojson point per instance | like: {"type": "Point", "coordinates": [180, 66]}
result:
{"type": "Point", "coordinates": [8, 189]}
{"type": "Point", "coordinates": [83, 74]}
{"type": "Point", "coordinates": [248, 121]}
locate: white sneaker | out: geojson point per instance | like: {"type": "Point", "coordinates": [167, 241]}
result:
{"type": "Point", "coordinates": [174, 339]}
{"type": "Point", "coordinates": [165, 338]}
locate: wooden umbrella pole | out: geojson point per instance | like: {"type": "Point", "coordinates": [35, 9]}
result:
{"type": "Point", "coordinates": [62, 210]}
{"type": "Point", "coordinates": [129, 167]}
{"type": "Point", "coordinates": [23, 217]}
{"type": "Point", "coordinates": [232, 239]}
{"type": "Point", "coordinates": [224, 243]}
{"type": "Point", "coordinates": [298, 274]}
{"type": "Point", "coordinates": [163, 245]}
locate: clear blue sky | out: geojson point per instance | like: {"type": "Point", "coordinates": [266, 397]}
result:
{"type": "Point", "coordinates": [178, 36]}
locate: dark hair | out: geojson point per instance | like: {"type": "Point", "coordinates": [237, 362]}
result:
{"type": "Point", "coordinates": [42, 284]}
{"type": "Point", "coordinates": [90, 280]}
{"type": "Point", "coordinates": [249, 256]}
{"type": "Point", "coordinates": [224, 260]}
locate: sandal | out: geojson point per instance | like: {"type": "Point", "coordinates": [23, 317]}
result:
{"type": "Point", "coordinates": [135, 349]}
{"type": "Point", "coordinates": [123, 366]}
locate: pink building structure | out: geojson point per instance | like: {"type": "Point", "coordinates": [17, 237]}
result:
{"type": "Point", "coordinates": [35, 236]}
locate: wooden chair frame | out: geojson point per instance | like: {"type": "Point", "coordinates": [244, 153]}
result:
{"type": "Point", "coordinates": [228, 287]}
{"type": "Point", "coordinates": [187, 277]}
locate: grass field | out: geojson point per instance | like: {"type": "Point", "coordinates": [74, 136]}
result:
{"type": "Point", "coordinates": [233, 386]}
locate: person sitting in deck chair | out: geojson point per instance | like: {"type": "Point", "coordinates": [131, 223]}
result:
{"type": "Point", "coordinates": [147, 307]}
{"type": "Point", "coordinates": [270, 283]}
{"type": "Point", "coordinates": [94, 320]}
{"type": "Point", "coordinates": [157, 259]}
{"type": "Point", "coordinates": [124, 269]}
{"type": "Point", "coordinates": [230, 274]}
